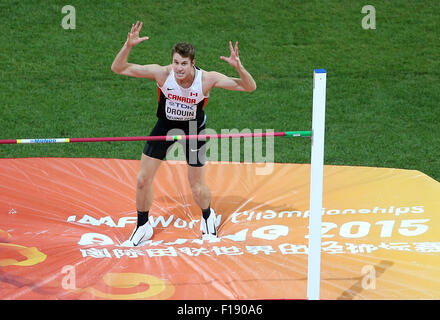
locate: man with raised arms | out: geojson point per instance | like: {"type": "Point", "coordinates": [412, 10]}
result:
{"type": "Point", "coordinates": [183, 90]}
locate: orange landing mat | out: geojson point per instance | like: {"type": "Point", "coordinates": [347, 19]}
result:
{"type": "Point", "coordinates": [62, 222]}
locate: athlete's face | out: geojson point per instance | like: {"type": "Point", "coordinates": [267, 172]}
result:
{"type": "Point", "coordinates": [183, 67]}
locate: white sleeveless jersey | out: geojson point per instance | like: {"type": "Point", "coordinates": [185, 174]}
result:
{"type": "Point", "coordinates": [182, 104]}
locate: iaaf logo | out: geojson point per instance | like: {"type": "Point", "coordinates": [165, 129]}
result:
{"type": "Point", "coordinates": [123, 221]}
{"type": "Point", "coordinates": [246, 216]}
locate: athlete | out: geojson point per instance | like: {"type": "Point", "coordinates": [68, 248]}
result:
{"type": "Point", "coordinates": [183, 90]}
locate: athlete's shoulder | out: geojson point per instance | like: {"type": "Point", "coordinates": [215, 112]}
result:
{"type": "Point", "coordinates": [163, 75]}
{"type": "Point", "coordinates": [211, 76]}
{"type": "Point", "coordinates": [207, 81]}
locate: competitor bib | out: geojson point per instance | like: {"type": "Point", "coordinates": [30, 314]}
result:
{"type": "Point", "coordinates": [180, 111]}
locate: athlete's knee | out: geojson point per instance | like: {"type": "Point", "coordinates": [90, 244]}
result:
{"type": "Point", "coordinates": [196, 188]}
{"type": "Point", "coordinates": [143, 181]}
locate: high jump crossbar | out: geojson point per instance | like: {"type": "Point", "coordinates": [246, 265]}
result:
{"type": "Point", "coordinates": [316, 169]}
{"type": "Point", "coordinates": [306, 134]}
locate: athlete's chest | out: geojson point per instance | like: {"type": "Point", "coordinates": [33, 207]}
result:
{"type": "Point", "coordinates": [191, 93]}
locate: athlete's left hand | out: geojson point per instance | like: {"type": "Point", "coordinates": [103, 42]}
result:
{"type": "Point", "coordinates": [233, 59]}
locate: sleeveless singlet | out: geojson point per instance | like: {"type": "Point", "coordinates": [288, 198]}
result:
{"type": "Point", "coordinates": [182, 104]}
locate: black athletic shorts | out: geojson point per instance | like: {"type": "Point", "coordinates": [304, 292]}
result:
{"type": "Point", "coordinates": [195, 150]}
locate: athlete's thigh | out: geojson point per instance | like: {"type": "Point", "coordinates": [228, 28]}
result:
{"type": "Point", "coordinates": [148, 167]}
{"type": "Point", "coordinates": [158, 149]}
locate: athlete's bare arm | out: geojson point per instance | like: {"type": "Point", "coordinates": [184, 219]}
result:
{"type": "Point", "coordinates": [218, 80]}
{"type": "Point", "coordinates": [150, 71]}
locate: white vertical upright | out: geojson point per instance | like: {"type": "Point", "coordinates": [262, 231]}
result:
{"type": "Point", "coordinates": [316, 184]}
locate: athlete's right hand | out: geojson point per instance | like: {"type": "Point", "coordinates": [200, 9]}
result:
{"type": "Point", "coordinates": [133, 36]}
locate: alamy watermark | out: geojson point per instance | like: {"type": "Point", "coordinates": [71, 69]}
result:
{"type": "Point", "coordinates": [369, 21]}
{"type": "Point", "coordinates": [256, 149]}
{"type": "Point", "coordinates": [368, 281]}
{"type": "Point", "coordinates": [69, 20]}
{"type": "Point", "coordinates": [69, 280]}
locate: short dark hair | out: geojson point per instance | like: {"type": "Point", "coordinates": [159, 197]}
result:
{"type": "Point", "coordinates": [185, 49]}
